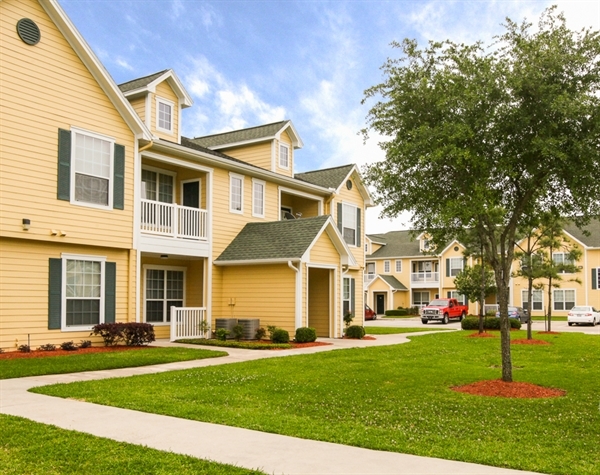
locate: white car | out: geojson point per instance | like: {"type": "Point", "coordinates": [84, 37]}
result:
{"type": "Point", "coordinates": [583, 314]}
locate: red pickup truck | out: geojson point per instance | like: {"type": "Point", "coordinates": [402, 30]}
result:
{"type": "Point", "coordinates": [443, 310]}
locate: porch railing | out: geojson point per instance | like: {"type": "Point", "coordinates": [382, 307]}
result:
{"type": "Point", "coordinates": [167, 219]}
{"type": "Point", "coordinates": [186, 322]}
{"type": "Point", "coordinates": [433, 277]}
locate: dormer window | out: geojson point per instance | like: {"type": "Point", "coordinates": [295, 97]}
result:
{"type": "Point", "coordinates": [164, 115]}
{"type": "Point", "coordinates": [425, 245]}
{"type": "Point", "coordinates": [284, 156]}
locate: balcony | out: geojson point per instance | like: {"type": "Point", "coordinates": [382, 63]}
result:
{"type": "Point", "coordinates": [424, 279]}
{"type": "Point", "coordinates": [173, 221]}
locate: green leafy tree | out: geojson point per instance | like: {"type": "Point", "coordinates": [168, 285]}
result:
{"type": "Point", "coordinates": [469, 283]}
{"type": "Point", "coordinates": [478, 139]}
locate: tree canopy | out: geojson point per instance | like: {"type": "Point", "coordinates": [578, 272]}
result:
{"type": "Point", "coordinates": [480, 137]}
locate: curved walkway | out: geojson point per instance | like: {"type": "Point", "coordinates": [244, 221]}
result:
{"type": "Point", "coordinates": [271, 453]}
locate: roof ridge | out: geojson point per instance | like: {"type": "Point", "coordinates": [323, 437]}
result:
{"type": "Point", "coordinates": [158, 73]}
{"type": "Point", "coordinates": [240, 130]}
{"type": "Point", "coordinates": [326, 169]}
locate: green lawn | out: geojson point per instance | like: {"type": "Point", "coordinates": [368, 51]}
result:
{"type": "Point", "coordinates": [395, 330]}
{"type": "Point", "coordinates": [395, 398]}
{"type": "Point", "coordinates": [554, 319]}
{"type": "Point", "coordinates": [37, 449]}
{"type": "Point", "coordinates": [18, 368]}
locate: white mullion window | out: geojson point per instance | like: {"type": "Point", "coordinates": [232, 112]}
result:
{"type": "Point", "coordinates": [420, 298]}
{"type": "Point", "coordinates": [165, 288]}
{"type": "Point", "coordinates": [158, 185]}
{"type": "Point", "coordinates": [236, 193]}
{"type": "Point", "coordinates": [164, 115]}
{"type": "Point", "coordinates": [258, 198]}
{"type": "Point", "coordinates": [82, 292]}
{"type": "Point", "coordinates": [284, 156]}
{"type": "Point", "coordinates": [456, 265]}
{"type": "Point", "coordinates": [537, 299]}
{"type": "Point", "coordinates": [564, 299]}
{"type": "Point", "coordinates": [562, 258]}
{"type": "Point", "coordinates": [453, 294]}
{"type": "Point", "coordinates": [349, 224]}
{"type": "Point", "coordinates": [386, 267]}
{"type": "Point", "coordinates": [398, 266]}
{"type": "Point", "coordinates": [92, 170]}
{"type": "Point", "coordinates": [346, 299]}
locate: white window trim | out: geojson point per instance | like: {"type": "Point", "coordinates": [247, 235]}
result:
{"type": "Point", "coordinates": [398, 271]}
{"type": "Point", "coordinates": [459, 297]}
{"type": "Point", "coordinates": [412, 296]}
{"type": "Point", "coordinates": [164, 268]}
{"type": "Point", "coordinates": [262, 183]}
{"type": "Point", "coordinates": [451, 267]}
{"type": "Point", "coordinates": [231, 178]}
{"type": "Point", "coordinates": [554, 299]}
{"type": "Point", "coordinates": [525, 295]}
{"type": "Point", "coordinates": [161, 171]}
{"type": "Point", "coordinates": [356, 226]}
{"type": "Point", "coordinates": [289, 157]}
{"type": "Point", "coordinates": [565, 255]}
{"type": "Point", "coordinates": [111, 176]}
{"type": "Point", "coordinates": [387, 268]}
{"type": "Point", "coordinates": [167, 102]}
{"type": "Point", "coordinates": [63, 291]}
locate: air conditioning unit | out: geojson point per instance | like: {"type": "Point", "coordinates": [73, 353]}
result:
{"type": "Point", "coordinates": [250, 326]}
{"type": "Point", "coordinates": [227, 324]}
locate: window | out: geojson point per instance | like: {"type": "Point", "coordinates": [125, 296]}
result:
{"type": "Point", "coordinates": [386, 267]}
{"type": "Point", "coordinates": [537, 299]}
{"type": "Point", "coordinates": [164, 115]}
{"type": "Point", "coordinates": [236, 193]}
{"type": "Point", "coordinates": [258, 198]}
{"type": "Point", "coordinates": [349, 223]}
{"type": "Point", "coordinates": [564, 299]}
{"type": "Point", "coordinates": [425, 245]}
{"type": "Point", "coordinates": [164, 289]}
{"type": "Point", "coordinates": [453, 294]}
{"type": "Point", "coordinates": [562, 259]}
{"type": "Point", "coordinates": [420, 298]}
{"type": "Point", "coordinates": [92, 168]}
{"type": "Point", "coordinates": [398, 266]}
{"type": "Point", "coordinates": [157, 186]}
{"type": "Point", "coordinates": [348, 296]}
{"type": "Point", "coordinates": [284, 156]}
{"type": "Point", "coordinates": [596, 278]}
{"type": "Point", "coordinates": [454, 266]}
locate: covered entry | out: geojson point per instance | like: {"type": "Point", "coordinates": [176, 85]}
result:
{"type": "Point", "coordinates": [319, 300]}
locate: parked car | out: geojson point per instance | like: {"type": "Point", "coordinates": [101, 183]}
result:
{"type": "Point", "coordinates": [516, 312]}
{"type": "Point", "coordinates": [443, 310]}
{"type": "Point", "coordinates": [583, 314]}
{"type": "Point", "coordinates": [370, 314]}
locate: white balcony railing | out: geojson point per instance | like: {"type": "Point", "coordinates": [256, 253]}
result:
{"type": "Point", "coordinates": [166, 219]}
{"type": "Point", "coordinates": [425, 277]}
{"type": "Point", "coordinates": [186, 322]}
{"type": "Point", "coordinates": [369, 278]}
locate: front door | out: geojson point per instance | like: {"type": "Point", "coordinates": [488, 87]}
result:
{"type": "Point", "coordinates": [191, 194]}
{"type": "Point", "coordinates": [380, 304]}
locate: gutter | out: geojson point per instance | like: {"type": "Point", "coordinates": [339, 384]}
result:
{"type": "Point", "coordinates": [256, 262]}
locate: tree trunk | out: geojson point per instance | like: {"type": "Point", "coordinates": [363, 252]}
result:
{"type": "Point", "coordinates": [529, 303]}
{"type": "Point", "coordinates": [549, 325]}
{"type": "Point", "coordinates": [505, 335]}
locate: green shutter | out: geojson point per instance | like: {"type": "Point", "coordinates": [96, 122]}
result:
{"type": "Point", "coordinates": [358, 228]}
{"type": "Point", "coordinates": [54, 293]}
{"type": "Point", "coordinates": [110, 286]}
{"type": "Point", "coordinates": [447, 267]}
{"type": "Point", "coordinates": [352, 297]}
{"type": "Point", "coordinates": [594, 279]}
{"type": "Point", "coordinates": [64, 165]}
{"type": "Point", "coordinates": [119, 177]}
{"type": "Point", "coordinates": [339, 218]}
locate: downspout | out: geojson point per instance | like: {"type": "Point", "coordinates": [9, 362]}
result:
{"type": "Point", "coordinates": [298, 305]}
{"type": "Point", "coordinates": [146, 147]}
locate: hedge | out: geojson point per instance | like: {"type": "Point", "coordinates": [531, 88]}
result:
{"type": "Point", "coordinates": [489, 323]}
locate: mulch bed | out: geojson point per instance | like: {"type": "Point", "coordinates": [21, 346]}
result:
{"type": "Point", "coordinates": [366, 337]}
{"type": "Point", "coordinates": [300, 345]}
{"type": "Point", "coordinates": [13, 355]}
{"type": "Point", "coordinates": [525, 341]}
{"type": "Point", "coordinates": [499, 388]}
{"type": "Point", "coordinates": [481, 335]}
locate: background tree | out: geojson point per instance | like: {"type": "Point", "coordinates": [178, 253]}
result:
{"type": "Point", "coordinates": [478, 140]}
{"type": "Point", "coordinates": [470, 284]}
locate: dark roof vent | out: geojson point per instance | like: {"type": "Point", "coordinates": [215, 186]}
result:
{"type": "Point", "coordinates": [28, 31]}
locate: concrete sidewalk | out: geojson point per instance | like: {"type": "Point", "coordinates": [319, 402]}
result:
{"type": "Point", "coordinates": [271, 453]}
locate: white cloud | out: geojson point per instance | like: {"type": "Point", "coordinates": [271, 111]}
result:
{"type": "Point", "coordinates": [123, 63]}
{"type": "Point", "coordinates": [177, 8]}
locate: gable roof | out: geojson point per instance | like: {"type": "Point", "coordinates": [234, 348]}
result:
{"type": "Point", "coordinates": [327, 178]}
{"type": "Point", "coordinates": [95, 67]}
{"type": "Point", "coordinates": [148, 84]}
{"type": "Point", "coordinates": [394, 283]}
{"type": "Point", "coordinates": [397, 244]}
{"type": "Point", "coordinates": [260, 133]}
{"type": "Point", "coordinates": [593, 240]}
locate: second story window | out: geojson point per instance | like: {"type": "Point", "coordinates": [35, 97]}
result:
{"type": "Point", "coordinates": [386, 267]}
{"type": "Point", "coordinates": [562, 259]}
{"type": "Point", "coordinates": [92, 168]}
{"type": "Point", "coordinates": [164, 115]}
{"type": "Point", "coordinates": [157, 186]}
{"type": "Point", "coordinates": [258, 198]}
{"type": "Point", "coordinates": [398, 266]}
{"type": "Point", "coordinates": [349, 223]}
{"type": "Point", "coordinates": [284, 156]}
{"type": "Point", "coordinates": [454, 266]}
{"type": "Point", "coordinates": [236, 193]}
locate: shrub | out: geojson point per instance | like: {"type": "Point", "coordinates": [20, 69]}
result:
{"type": "Point", "coordinates": [85, 344]}
{"type": "Point", "coordinates": [110, 332]}
{"type": "Point", "coordinates": [355, 331]}
{"type": "Point", "coordinates": [280, 336]}
{"type": "Point", "coordinates": [271, 329]}
{"type": "Point", "coordinates": [400, 312]}
{"type": "Point", "coordinates": [24, 348]}
{"type": "Point", "coordinates": [137, 334]}
{"type": "Point", "coordinates": [348, 317]}
{"type": "Point", "coordinates": [47, 347]}
{"type": "Point", "coordinates": [238, 332]}
{"type": "Point", "coordinates": [305, 335]}
{"type": "Point", "coordinates": [260, 333]}
{"type": "Point", "coordinates": [222, 333]}
{"type": "Point", "coordinates": [489, 323]}
{"type": "Point", "coordinates": [68, 346]}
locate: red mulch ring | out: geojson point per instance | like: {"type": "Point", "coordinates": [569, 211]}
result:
{"type": "Point", "coordinates": [13, 355]}
{"type": "Point", "coordinates": [481, 335]}
{"type": "Point", "coordinates": [300, 345]}
{"type": "Point", "coordinates": [549, 333]}
{"type": "Point", "coordinates": [525, 341]}
{"type": "Point", "coordinates": [366, 337]}
{"type": "Point", "coordinates": [499, 388]}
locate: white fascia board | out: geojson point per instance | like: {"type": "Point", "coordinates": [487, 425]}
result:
{"type": "Point", "coordinates": [338, 242]}
{"type": "Point", "coordinates": [176, 85]}
{"type": "Point", "coordinates": [255, 262]}
{"type": "Point", "coordinates": [96, 68]}
{"type": "Point", "coordinates": [296, 140]}
{"type": "Point", "coordinates": [362, 189]}
{"type": "Point", "coordinates": [449, 245]}
{"type": "Point", "coordinates": [176, 161]}
{"type": "Point", "coordinates": [570, 236]}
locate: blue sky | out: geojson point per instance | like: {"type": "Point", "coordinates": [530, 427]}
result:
{"type": "Point", "coordinates": [248, 62]}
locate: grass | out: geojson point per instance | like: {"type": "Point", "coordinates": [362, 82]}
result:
{"type": "Point", "coordinates": [554, 319]}
{"type": "Point", "coordinates": [39, 449]}
{"type": "Point", "coordinates": [18, 368]}
{"type": "Point", "coordinates": [395, 398]}
{"type": "Point", "coordinates": [236, 344]}
{"type": "Point", "coordinates": [395, 330]}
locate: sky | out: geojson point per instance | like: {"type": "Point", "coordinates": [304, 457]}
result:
{"type": "Point", "coordinates": [248, 63]}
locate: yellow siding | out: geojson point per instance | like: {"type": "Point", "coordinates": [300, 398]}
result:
{"type": "Point", "coordinates": [139, 106]}
{"type": "Point", "coordinates": [54, 90]}
{"type": "Point", "coordinates": [164, 91]}
{"type": "Point", "coordinates": [258, 154]}
{"type": "Point", "coordinates": [448, 282]}
{"type": "Point", "coordinates": [324, 252]}
{"type": "Point", "coordinates": [285, 139]}
{"type": "Point", "coordinates": [300, 204]}
{"type": "Point", "coordinates": [353, 197]}
{"type": "Point", "coordinates": [319, 303]}
{"type": "Point", "coordinates": [264, 292]}
{"type": "Point", "coordinates": [24, 291]}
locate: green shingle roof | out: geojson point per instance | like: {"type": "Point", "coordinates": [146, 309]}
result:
{"type": "Point", "coordinates": [393, 282]}
{"type": "Point", "coordinates": [593, 239]}
{"type": "Point", "coordinates": [242, 135]}
{"type": "Point", "coordinates": [140, 82]}
{"type": "Point", "coordinates": [328, 178]}
{"type": "Point", "coordinates": [398, 244]}
{"type": "Point", "coordinates": [288, 239]}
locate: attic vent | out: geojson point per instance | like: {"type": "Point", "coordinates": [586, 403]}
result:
{"type": "Point", "coordinates": [28, 31]}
